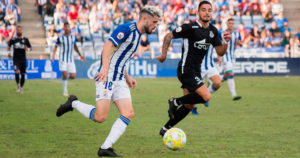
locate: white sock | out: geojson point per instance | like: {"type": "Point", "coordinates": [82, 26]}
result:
{"type": "Point", "coordinates": [211, 88]}
{"type": "Point", "coordinates": [231, 86]}
{"type": "Point", "coordinates": [65, 84]}
{"type": "Point", "coordinates": [116, 131]}
{"type": "Point", "coordinates": [86, 110]}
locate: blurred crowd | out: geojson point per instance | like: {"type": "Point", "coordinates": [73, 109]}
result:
{"type": "Point", "coordinates": [100, 17]}
{"type": "Point", "coordinates": [10, 15]}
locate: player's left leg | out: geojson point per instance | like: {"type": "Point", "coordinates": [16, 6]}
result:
{"type": "Point", "coordinates": [122, 99]}
{"type": "Point", "coordinates": [179, 115]}
{"type": "Point", "coordinates": [17, 78]}
{"type": "Point", "coordinates": [65, 83]}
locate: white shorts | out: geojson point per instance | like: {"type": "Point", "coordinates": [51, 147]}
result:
{"type": "Point", "coordinates": [112, 90]}
{"type": "Point", "coordinates": [228, 66]}
{"type": "Point", "coordinates": [209, 73]}
{"type": "Point", "coordinates": [67, 66]}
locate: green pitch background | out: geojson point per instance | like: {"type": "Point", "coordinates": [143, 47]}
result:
{"type": "Point", "coordinates": [265, 123]}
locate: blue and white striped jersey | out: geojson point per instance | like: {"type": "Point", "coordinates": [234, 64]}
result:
{"type": "Point", "coordinates": [208, 61]}
{"type": "Point", "coordinates": [229, 56]}
{"type": "Point", "coordinates": [66, 44]}
{"type": "Point", "coordinates": [126, 39]}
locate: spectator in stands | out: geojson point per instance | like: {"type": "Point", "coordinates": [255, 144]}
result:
{"type": "Point", "coordinates": [243, 32]}
{"type": "Point", "coordinates": [177, 5]}
{"type": "Point", "coordinates": [52, 31]}
{"type": "Point", "coordinates": [287, 43]}
{"type": "Point", "coordinates": [127, 15]}
{"type": "Point", "coordinates": [106, 24]}
{"type": "Point", "coordinates": [255, 7]}
{"type": "Point", "coordinates": [286, 28]}
{"type": "Point", "coordinates": [215, 15]}
{"type": "Point", "coordinates": [40, 5]}
{"type": "Point", "coordinates": [277, 7]}
{"type": "Point", "coordinates": [255, 36]}
{"type": "Point", "coordinates": [4, 34]}
{"type": "Point", "coordinates": [49, 7]}
{"type": "Point", "coordinates": [221, 3]}
{"type": "Point", "coordinates": [224, 13]}
{"type": "Point", "coordinates": [264, 39]}
{"type": "Point", "coordinates": [281, 20]}
{"type": "Point", "coordinates": [75, 31]}
{"type": "Point", "coordinates": [2, 16]}
{"type": "Point", "coordinates": [60, 15]}
{"type": "Point", "coordinates": [234, 7]}
{"type": "Point", "coordinates": [274, 29]}
{"type": "Point", "coordinates": [78, 6]}
{"type": "Point", "coordinates": [245, 7]}
{"type": "Point", "coordinates": [14, 8]}
{"type": "Point", "coordinates": [144, 46]}
{"type": "Point", "coordinates": [182, 17]}
{"type": "Point", "coordinates": [169, 15]}
{"type": "Point", "coordinates": [10, 18]}
{"type": "Point", "coordinates": [297, 37]}
{"type": "Point", "coordinates": [83, 16]}
{"type": "Point", "coordinates": [72, 14]}
{"type": "Point", "coordinates": [276, 39]}
{"type": "Point", "coordinates": [164, 5]}
{"type": "Point", "coordinates": [191, 8]}
{"type": "Point", "coordinates": [118, 17]}
{"type": "Point", "coordinates": [265, 8]}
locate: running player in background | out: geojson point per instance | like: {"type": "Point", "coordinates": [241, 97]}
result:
{"type": "Point", "coordinates": [228, 60]}
{"type": "Point", "coordinates": [197, 38]}
{"type": "Point", "coordinates": [210, 73]}
{"type": "Point", "coordinates": [112, 77]}
{"type": "Point", "coordinates": [20, 45]}
{"type": "Point", "coordinates": [67, 44]}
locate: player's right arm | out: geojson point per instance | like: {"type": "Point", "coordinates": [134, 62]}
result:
{"type": "Point", "coordinates": [107, 48]}
{"type": "Point", "coordinates": [57, 43]}
{"type": "Point", "coordinates": [8, 48]}
{"type": "Point", "coordinates": [180, 32]}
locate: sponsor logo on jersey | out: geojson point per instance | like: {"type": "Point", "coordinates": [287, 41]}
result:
{"type": "Point", "coordinates": [211, 34]}
{"type": "Point", "coordinates": [195, 27]}
{"type": "Point", "coordinates": [201, 44]}
{"type": "Point", "coordinates": [178, 29]}
{"type": "Point", "coordinates": [120, 35]}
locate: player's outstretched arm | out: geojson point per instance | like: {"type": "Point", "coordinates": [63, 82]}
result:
{"type": "Point", "coordinates": [102, 75]}
{"type": "Point", "coordinates": [221, 50]}
{"type": "Point", "coordinates": [167, 41]}
{"type": "Point", "coordinates": [130, 81]}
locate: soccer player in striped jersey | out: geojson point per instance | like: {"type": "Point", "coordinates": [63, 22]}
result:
{"type": "Point", "coordinates": [228, 60]}
{"type": "Point", "coordinates": [210, 73]}
{"type": "Point", "coordinates": [67, 45]}
{"type": "Point", "coordinates": [112, 77]}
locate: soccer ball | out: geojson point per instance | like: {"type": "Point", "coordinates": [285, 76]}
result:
{"type": "Point", "coordinates": [174, 138]}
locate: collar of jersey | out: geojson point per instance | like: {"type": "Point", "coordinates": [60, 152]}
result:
{"type": "Point", "coordinates": [137, 28]}
{"type": "Point", "coordinates": [199, 23]}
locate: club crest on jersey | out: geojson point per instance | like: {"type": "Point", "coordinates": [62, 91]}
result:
{"type": "Point", "coordinates": [178, 29]}
{"type": "Point", "coordinates": [120, 35]}
{"type": "Point", "coordinates": [211, 34]}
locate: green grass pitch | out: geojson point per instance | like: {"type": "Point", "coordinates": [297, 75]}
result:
{"type": "Point", "coordinates": [265, 123]}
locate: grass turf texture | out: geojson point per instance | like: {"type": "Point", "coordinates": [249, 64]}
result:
{"type": "Point", "coordinates": [265, 123]}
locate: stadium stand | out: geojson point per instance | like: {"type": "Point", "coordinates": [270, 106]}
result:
{"type": "Point", "coordinates": [94, 21]}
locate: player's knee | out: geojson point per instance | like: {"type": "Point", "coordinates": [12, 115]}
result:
{"type": "Point", "coordinates": [206, 97]}
{"type": "Point", "coordinates": [72, 77]}
{"type": "Point", "coordinates": [99, 118]}
{"type": "Point", "coordinates": [129, 115]}
{"type": "Point", "coordinates": [217, 85]}
{"type": "Point", "coordinates": [189, 106]}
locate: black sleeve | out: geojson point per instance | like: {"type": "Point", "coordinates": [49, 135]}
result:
{"type": "Point", "coordinates": [216, 39]}
{"type": "Point", "coordinates": [10, 43]}
{"type": "Point", "coordinates": [182, 31]}
{"type": "Point", "coordinates": [27, 43]}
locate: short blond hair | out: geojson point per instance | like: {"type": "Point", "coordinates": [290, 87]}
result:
{"type": "Point", "coordinates": [151, 10]}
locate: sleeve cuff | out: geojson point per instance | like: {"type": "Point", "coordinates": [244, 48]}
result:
{"type": "Point", "coordinates": [113, 41]}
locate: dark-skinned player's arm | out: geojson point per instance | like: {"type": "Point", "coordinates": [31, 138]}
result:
{"type": "Point", "coordinates": [166, 44]}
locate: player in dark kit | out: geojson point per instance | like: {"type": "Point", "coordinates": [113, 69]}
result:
{"type": "Point", "coordinates": [197, 37]}
{"type": "Point", "coordinates": [20, 45]}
